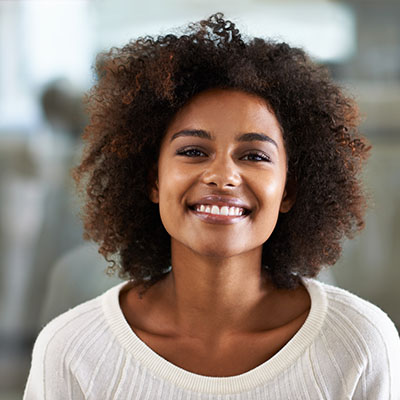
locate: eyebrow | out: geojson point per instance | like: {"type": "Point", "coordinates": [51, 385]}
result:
{"type": "Point", "coordinates": [243, 137]}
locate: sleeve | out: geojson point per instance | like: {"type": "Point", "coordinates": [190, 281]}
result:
{"type": "Point", "coordinates": [47, 379]}
{"type": "Point", "coordinates": [381, 376]}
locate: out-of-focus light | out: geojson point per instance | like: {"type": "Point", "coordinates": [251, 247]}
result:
{"type": "Point", "coordinates": [48, 39]}
{"type": "Point", "coordinates": [326, 30]}
{"type": "Point", "coordinates": [57, 40]}
{"type": "Point", "coordinates": [42, 40]}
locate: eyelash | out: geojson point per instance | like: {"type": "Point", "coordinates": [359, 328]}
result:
{"type": "Point", "coordinates": [184, 152]}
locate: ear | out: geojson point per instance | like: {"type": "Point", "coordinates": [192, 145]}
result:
{"type": "Point", "coordinates": [289, 196]}
{"type": "Point", "coordinates": [152, 184]}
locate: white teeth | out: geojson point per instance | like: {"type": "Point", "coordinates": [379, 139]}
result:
{"type": "Point", "coordinates": [215, 210]}
{"type": "Point", "coordinates": [224, 210]}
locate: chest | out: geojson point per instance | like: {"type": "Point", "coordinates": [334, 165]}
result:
{"type": "Point", "coordinates": [227, 358]}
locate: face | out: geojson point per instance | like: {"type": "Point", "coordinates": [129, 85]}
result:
{"type": "Point", "coordinates": [221, 174]}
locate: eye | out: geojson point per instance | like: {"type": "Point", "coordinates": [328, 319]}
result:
{"type": "Point", "coordinates": [190, 152]}
{"type": "Point", "coordinates": [256, 156]}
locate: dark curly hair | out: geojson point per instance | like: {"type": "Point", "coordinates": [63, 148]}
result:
{"type": "Point", "coordinates": [140, 88]}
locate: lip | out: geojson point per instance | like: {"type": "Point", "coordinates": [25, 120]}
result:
{"type": "Point", "coordinates": [221, 201]}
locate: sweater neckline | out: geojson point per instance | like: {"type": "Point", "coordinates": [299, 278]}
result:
{"type": "Point", "coordinates": [257, 376]}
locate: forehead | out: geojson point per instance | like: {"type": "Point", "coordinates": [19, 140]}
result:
{"type": "Point", "coordinates": [226, 108]}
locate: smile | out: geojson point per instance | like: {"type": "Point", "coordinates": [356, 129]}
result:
{"type": "Point", "coordinates": [216, 210]}
{"type": "Point", "coordinates": [219, 214]}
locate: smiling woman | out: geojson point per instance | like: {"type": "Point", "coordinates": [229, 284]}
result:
{"type": "Point", "coordinates": [221, 174]}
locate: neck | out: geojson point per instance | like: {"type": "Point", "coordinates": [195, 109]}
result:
{"type": "Point", "coordinates": [213, 297]}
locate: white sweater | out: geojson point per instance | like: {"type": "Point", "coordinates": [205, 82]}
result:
{"type": "Point", "coordinates": [347, 349]}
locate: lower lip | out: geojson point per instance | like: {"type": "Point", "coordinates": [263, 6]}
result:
{"type": "Point", "coordinates": [218, 219]}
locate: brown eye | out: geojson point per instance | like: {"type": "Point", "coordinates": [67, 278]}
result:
{"type": "Point", "coordinates": [256, 157]}
{"type": "Point", "coordinates": [190, 152]}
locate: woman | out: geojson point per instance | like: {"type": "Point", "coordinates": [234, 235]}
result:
{"type": "Point", "coordinates": [221, 174]}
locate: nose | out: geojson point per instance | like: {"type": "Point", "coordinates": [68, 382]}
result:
{"type": "Point", "coordinates": [222, 172]}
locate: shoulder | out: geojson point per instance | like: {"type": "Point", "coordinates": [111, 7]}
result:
{"type": "Point", "coordinates": [65, 349]}
{"type": "Point", "coordinates": [356, 345]}
{"type": "Point", "coordinates": [84, 326]}
{"type": "Point", "coordinates": [362, 339]}
{"type": "Point", "coordinates": [354, 314]}
{"type": "Point", "coordinates": [353, 325]}
{"type": "Point", "coordinates": [350, 322]}
{"type": "Point", "coordinates": [60, 334]}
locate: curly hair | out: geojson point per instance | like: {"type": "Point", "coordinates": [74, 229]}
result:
{"type": "Point", "coordinates": [140, 88]}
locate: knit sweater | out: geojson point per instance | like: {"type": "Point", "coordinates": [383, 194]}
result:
{"type": "Point", "coordinates": [346, 349]}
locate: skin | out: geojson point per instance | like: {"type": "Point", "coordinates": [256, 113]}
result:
{"type": "Point", "coordinates": [215, 298]}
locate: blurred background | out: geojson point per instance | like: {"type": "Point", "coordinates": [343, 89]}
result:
{"type": "Point", "coordinates": [47, 49]}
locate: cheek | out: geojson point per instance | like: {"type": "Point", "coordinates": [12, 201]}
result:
{"type": "Point", "coordinates": [270, 201]}
{"type": "Point", "coordinates": [271, 192]}
{"type": "Point", "coordinates": [172, 189]}
{"type": "Point", "coordinates": [168, 216]}
{"type": "Point", "coordinates": [173, 185]}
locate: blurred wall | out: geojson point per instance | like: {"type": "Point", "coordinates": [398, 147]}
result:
{"type": "Point", "coordinates": [370, 264]}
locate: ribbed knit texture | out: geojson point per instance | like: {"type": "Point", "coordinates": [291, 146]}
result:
{"type": "Point", "coordinates": [347, 349]}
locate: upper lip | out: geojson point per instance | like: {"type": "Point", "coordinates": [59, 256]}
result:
{"type": "Point", "coordinates": [221, 201]}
